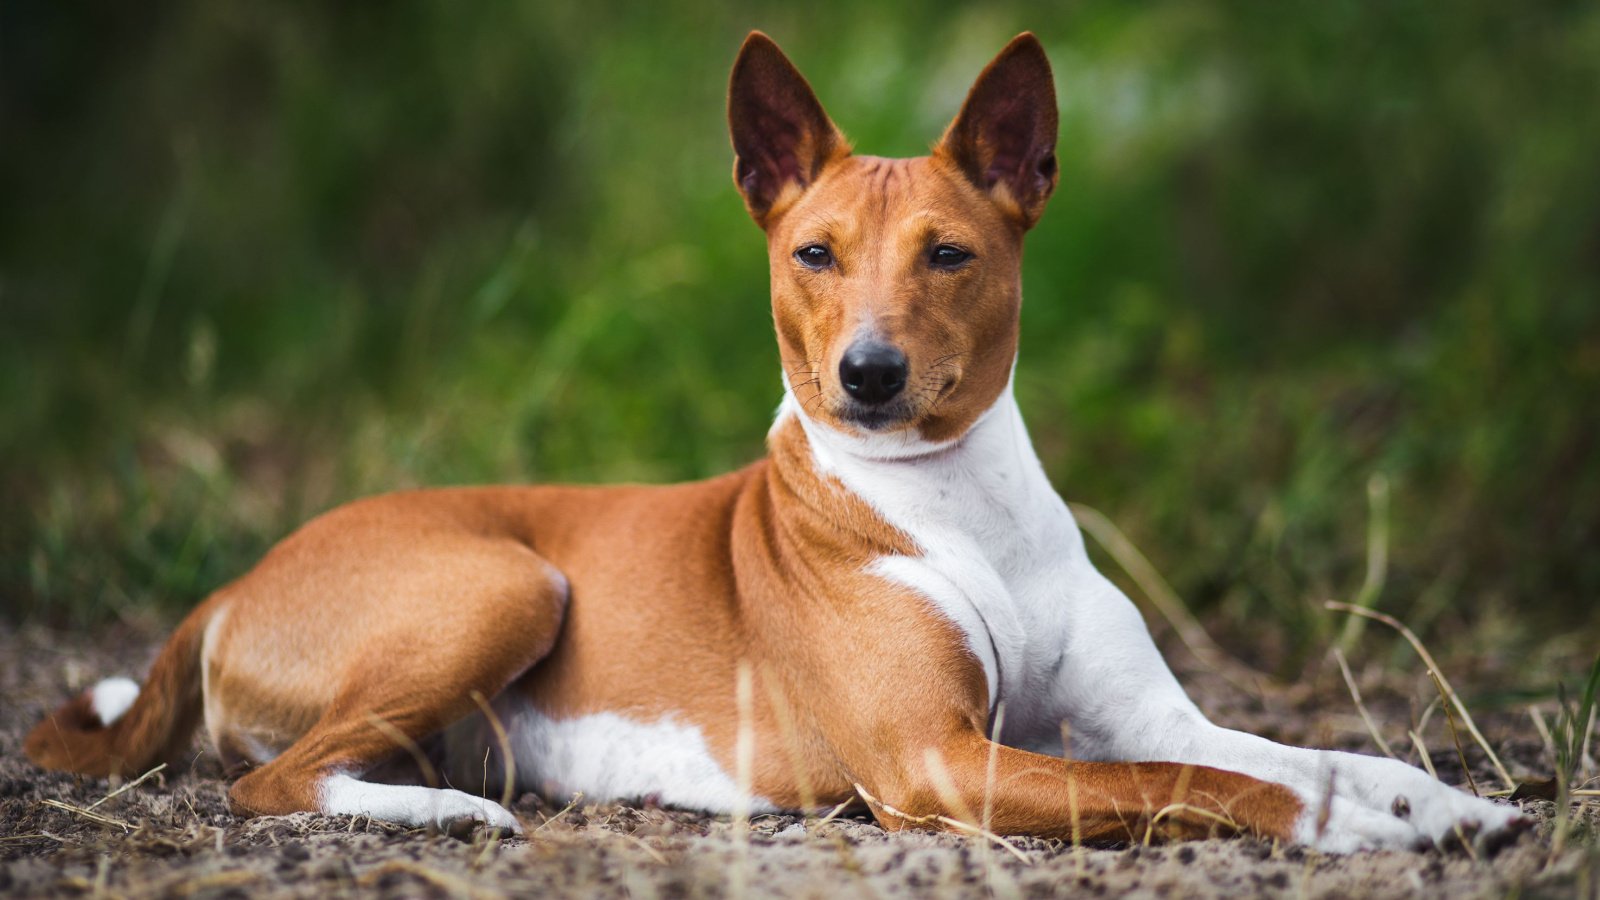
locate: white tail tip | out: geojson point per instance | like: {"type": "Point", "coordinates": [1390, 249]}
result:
{"type": "Point", "coordinates": [111, 698]}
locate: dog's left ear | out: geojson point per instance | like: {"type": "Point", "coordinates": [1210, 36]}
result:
{"type": "Point", "coordinates": [1004, 138]}
{"type": "Point", "coordinates": [782, 138]}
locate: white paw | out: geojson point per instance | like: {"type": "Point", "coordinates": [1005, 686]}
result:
{"type": "Point", "coordinates": [458, 813]}
{"type": "Point", "coordinates": [1442, 812]}
{"type": "Point", "coordinates": [1427, 811]}
{"type": "Point", "coordinates": [1337, 825]}
{"type": "Point", "coordinates": [448, 810]}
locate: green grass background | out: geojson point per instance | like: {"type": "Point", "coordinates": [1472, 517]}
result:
{"type": "Point", "coordinates": [257, 258]}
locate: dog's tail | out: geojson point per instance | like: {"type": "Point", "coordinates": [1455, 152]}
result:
{"type": "Point", "coordinates": [117, 728]}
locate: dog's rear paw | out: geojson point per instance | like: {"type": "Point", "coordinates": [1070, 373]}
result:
{"type": "Point", "coordinates": [463, 816]}
{"type": "Point", "coordinates": [447, 810]}
{"type": "Point", "coordinates": [468, 828]}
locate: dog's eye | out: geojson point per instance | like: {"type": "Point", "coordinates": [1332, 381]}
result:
{"type": "Point", "coordinates": [814, 256]}
{"type": "Point", "coordinates": [948, 256]}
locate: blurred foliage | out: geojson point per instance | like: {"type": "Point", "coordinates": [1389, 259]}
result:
{"type": "Point", "coordinates": [257, 258]}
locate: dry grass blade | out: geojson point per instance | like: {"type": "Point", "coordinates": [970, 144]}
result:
{"type": "Point", "coordinates": [832, 813]}
{"type": "Point", "coordinates": [504, 740]}
{"type": "Point", "coordinates": [1585, 753]}
{"type": "Point", "coordinates": [1072, 793]}
{"type": "Point", "coordinates": [576, 799]}
{"type": "Point", "coordinates": [791, 739]}
{"type": "Point", "coordinates": [1445, 690]}
{"type": "Point", "coordinates": [1540, 726]}
{"type": "Point", "coordinates": [947, 821]}
{"type": "Point", "coordinates": [1422, 750]}
{"type": "Point", "coordinates": [992, 765]}
{"type": "Point", "coordinates": [1161, 595]}
{"type": "Point", "coordinates": [988, 835]}
{"type": "Point", "coordinates": [945, 787]}
{"type": "Point", "coordinates": [129, 786]}
{"type": "Point", "coordinates": [1421, 726]}
{"type": "Point", "coordinates": [1355, 694]}
{"type": "Point", "coordinates": [1456, 737]}
{"type": "Point", "coordinates": [97, 818]}
{"type": "Point", "coordinates": [430, 775]}
{"type": "Point", "coordinates": [1171, 809]}
{"type": "Point", "coordinates": [1180, 789]}
{"type": "Point", "coordinates": [1377, 558]}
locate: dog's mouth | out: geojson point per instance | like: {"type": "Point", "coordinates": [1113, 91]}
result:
{"type": "Point", "coordinates": [903, 412]}
{"type": "Point", "coordinates": [877, 418]}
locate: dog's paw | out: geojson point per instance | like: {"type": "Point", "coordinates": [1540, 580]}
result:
{"type": "Point", "coordinates": [462, 815]}
{"type": "Point", "coordinates": [1448, 817]}
{"type": "Point", "coordinates": [447, 810]}
{"type": "Point", "coordinates": [1336, 825]}
{"type": "Point", "coordinates": [1372, 796]}
{"type": "Point", "coordinates": [1439, 812]}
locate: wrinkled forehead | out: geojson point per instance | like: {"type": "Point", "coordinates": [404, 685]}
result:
{"type": "Point", "coordinates": [865, 201]}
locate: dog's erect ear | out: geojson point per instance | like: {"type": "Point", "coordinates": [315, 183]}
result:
{"type": "Point", "coordinates": [781, 136]}
{"type": "Point", "coordinates": [1004, 138]}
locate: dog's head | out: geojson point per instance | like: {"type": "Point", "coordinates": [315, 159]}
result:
{"type": "Point", "coordinates": [896, 283]}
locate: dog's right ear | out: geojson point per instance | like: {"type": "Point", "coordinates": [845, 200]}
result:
{"type": "Point", "coordinates": [782, 138]}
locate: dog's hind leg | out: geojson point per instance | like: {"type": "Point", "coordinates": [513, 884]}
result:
{"type": "Point", "coordinates": [465, 618]}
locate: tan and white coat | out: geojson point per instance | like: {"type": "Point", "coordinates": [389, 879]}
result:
{"type": "Point", "coordinates": [886, 581]}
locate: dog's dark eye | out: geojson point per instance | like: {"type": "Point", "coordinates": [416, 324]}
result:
{"type": "Point", "coordinates": [948, 256]}
{"type": "Point", "coordinates": [814, 256]}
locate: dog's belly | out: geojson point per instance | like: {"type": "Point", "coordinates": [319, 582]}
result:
{"type": "Point", "coordinates": [604, 756]}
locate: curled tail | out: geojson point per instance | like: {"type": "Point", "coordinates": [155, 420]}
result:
{"type": "Point", "coordinates": [117, 728]}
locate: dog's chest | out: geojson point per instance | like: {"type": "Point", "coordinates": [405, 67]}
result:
{"type": "Point", "coordinates": [999, 551]}
{"type": "Point", "coordinates": [996, 572]}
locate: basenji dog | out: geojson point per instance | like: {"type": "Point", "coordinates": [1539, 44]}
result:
{"type": "Point", "coordinates": [845, 618]}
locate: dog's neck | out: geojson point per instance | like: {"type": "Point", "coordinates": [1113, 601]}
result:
{"type": "Point", "coordinates": [986, 487]}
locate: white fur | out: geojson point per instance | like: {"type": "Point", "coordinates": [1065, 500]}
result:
{"type": "Point", "coordinates": [1003, 559]}
{"type": "Point", "coordinates": [344, 795]}
{"type": "Point", "coordinates": [111, 698]}
{"type": "Point", "coordinates": [604, 756]}
{"type": "Point", "coordinates": [210, 702]}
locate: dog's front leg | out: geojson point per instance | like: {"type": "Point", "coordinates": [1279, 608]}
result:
{"type": "Point", "coordinates": [1120, 701]}
{"type": "Point", "coordinates": [959, 781]}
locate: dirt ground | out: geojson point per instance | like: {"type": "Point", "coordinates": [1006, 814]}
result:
{"type": "Point", "coordinates": [173, 835]}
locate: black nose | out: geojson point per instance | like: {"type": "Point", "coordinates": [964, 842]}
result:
{"type": "Point", "coordinates": [872, 372]}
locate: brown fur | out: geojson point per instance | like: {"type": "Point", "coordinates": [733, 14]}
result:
{"type": "Point", "coordinates": [398, 608]}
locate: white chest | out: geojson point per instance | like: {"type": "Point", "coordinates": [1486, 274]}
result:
{"type": "Point", "coordinates": [999, 549]}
